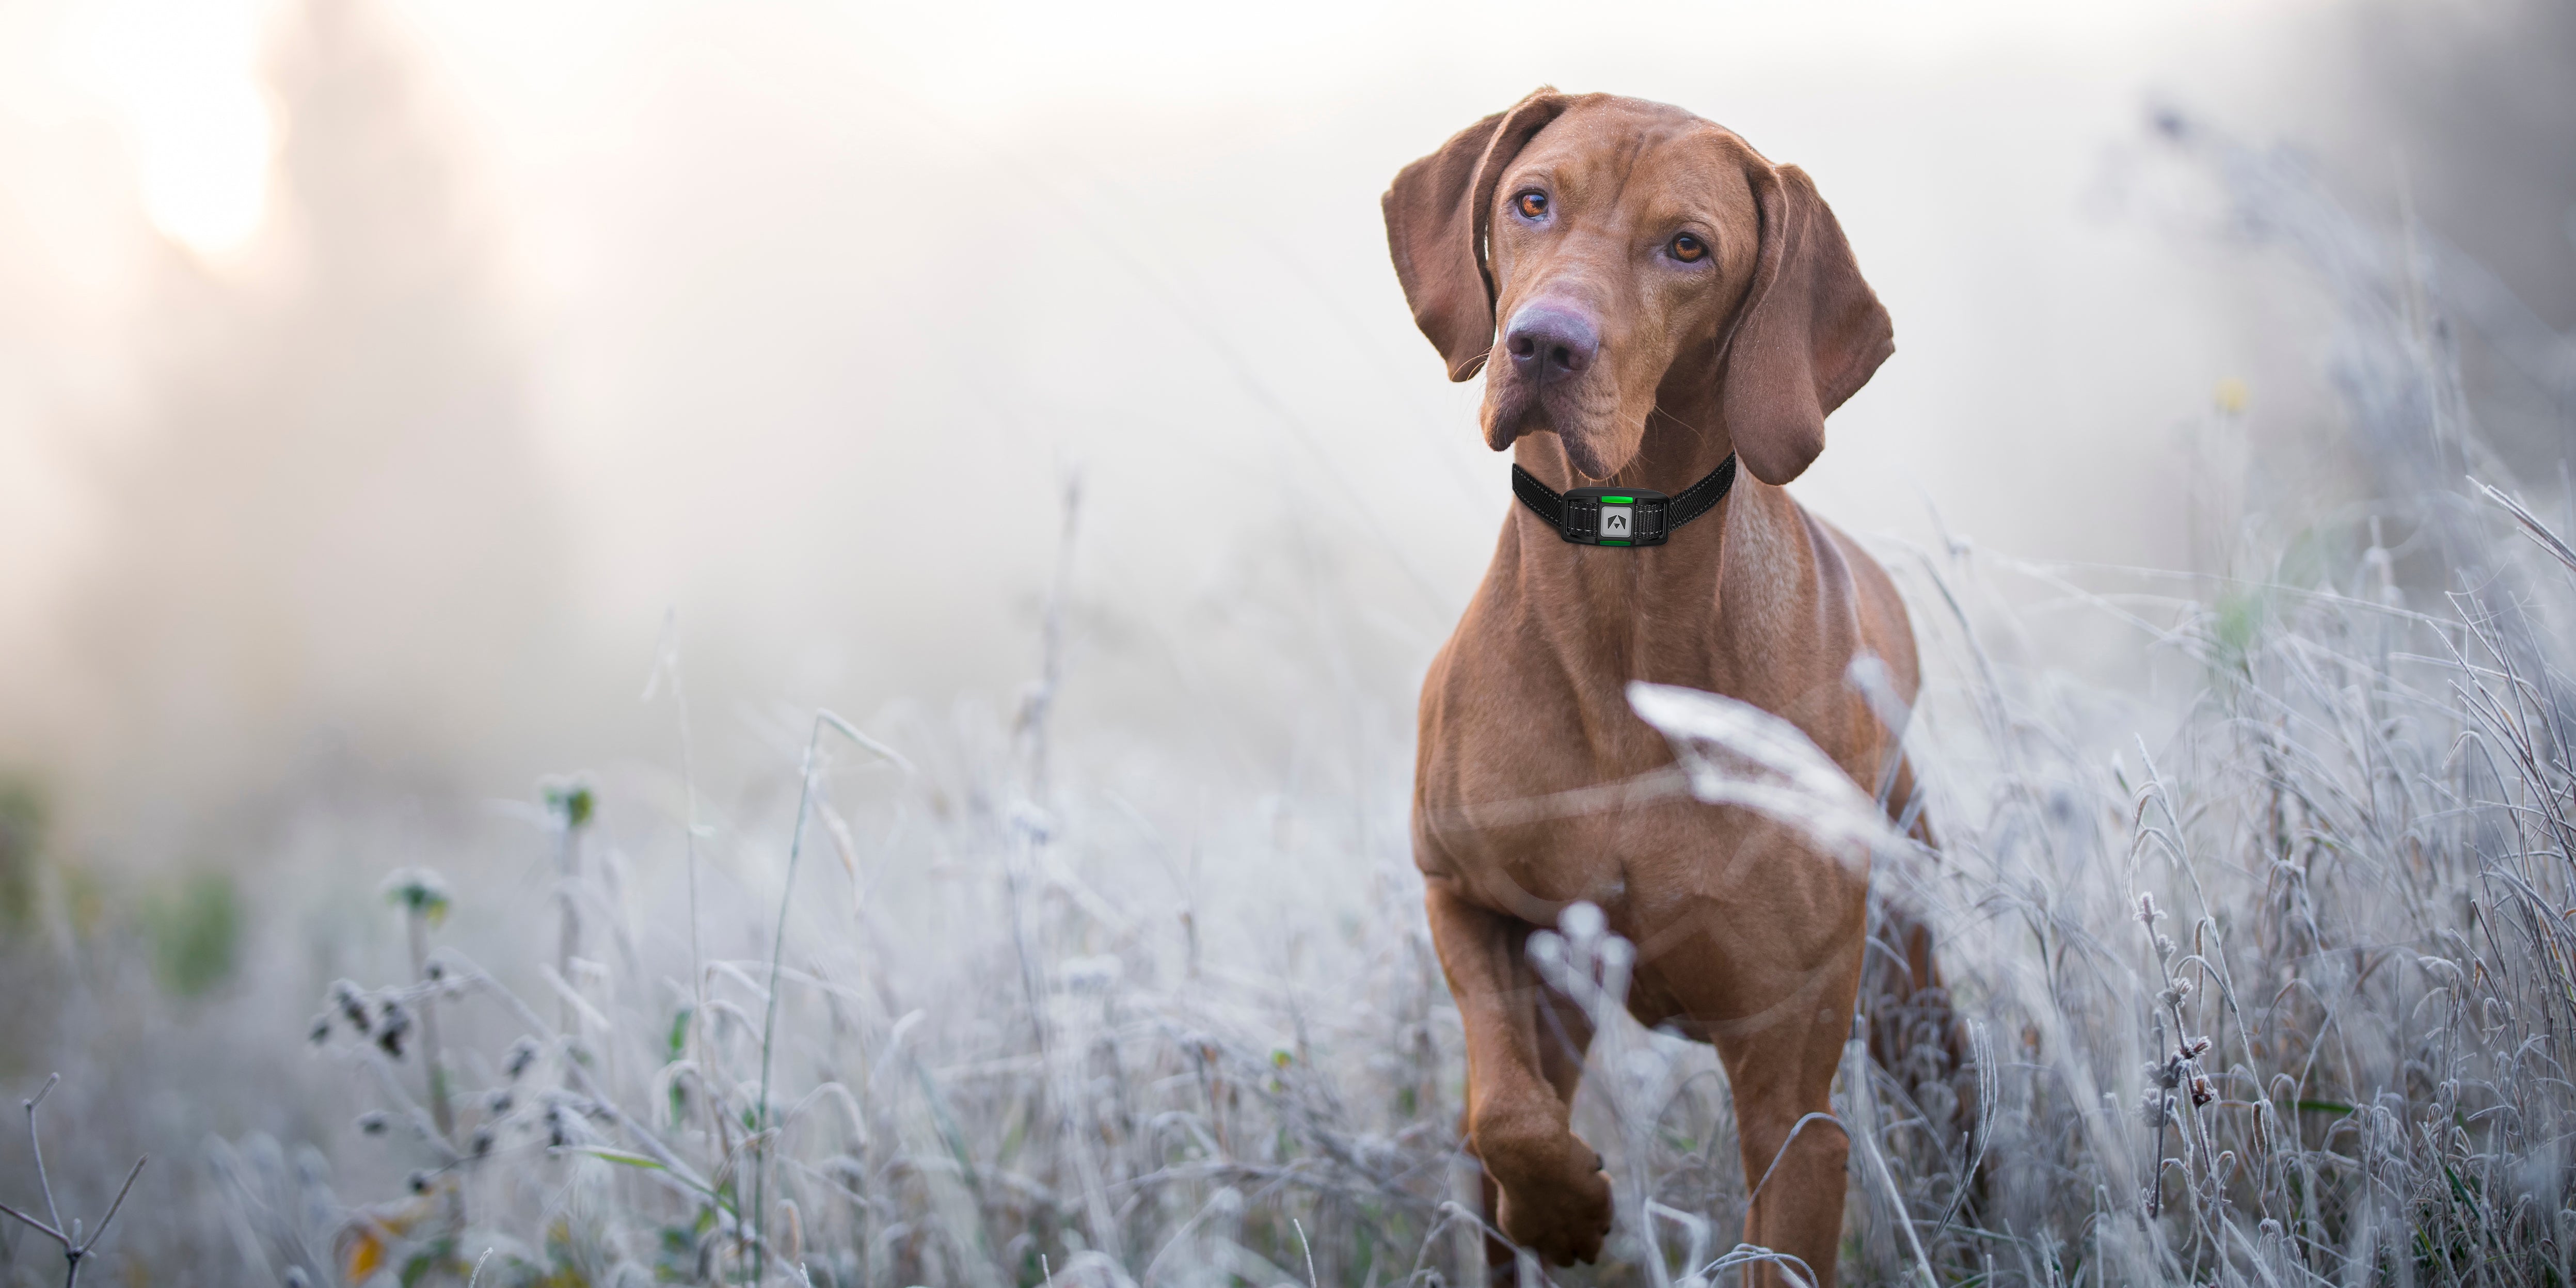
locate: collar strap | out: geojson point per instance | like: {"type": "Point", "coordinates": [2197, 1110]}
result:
{"type": "Point", "coordinates": [1622, 516]}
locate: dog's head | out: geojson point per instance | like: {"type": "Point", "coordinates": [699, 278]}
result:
{"type": "Point", "coordinates": [1635, 255]}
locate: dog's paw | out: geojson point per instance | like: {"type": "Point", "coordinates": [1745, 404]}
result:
{"type": "Point", "coordinates": [1564, 1222]}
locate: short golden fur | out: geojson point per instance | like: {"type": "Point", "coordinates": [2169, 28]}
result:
{"type": "Point", "coordinates": [1713, 306]}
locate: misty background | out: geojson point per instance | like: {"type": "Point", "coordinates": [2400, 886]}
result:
{"type": "Point", "coordinates": [385, 387]}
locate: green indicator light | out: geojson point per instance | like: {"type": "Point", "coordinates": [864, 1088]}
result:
{"type": "Point", "coordinates": [1614, 543]}
{"type": "Point", "coordinates": [1619, 500]}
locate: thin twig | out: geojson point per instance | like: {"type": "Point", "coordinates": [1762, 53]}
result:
{"type": "Point", "coordinates": [37, 1148]}
{"type": "Point", "coordinates": [777, 951]}
{"type": "Point", "coordinates": [74, 1247]}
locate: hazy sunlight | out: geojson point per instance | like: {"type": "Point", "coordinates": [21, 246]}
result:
{"type": "Point", "coordinates": [183, 77]}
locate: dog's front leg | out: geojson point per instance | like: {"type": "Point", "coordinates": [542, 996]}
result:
{"type": "Point", "coordinates": [1524, 1057]}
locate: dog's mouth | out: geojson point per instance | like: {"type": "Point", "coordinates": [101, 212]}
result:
{"type": "Point", "coordinates": [1562, 408]}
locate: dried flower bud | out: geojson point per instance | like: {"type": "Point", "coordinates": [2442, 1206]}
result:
{"type": "Point", "coordinates": [352, 1004]}
{"type": "Point", "coordinates": [482, 1142]}
{"type": "Point", "coordinates": [2201, 1092]}
{"type": "Point", "coordinates": [499, 1101]}
{"type": "Point", "coordinates": [373, 1122]}
{"type": "Point", "coordinates": [391, 1027]}
{"type": "Point", "coordinates": [522, 1054]}
{"type": "Point", "coordinates": [419, 1182]}
{"type": "Point", "coordinates": [2193, 1049]}
{"type": "Point", "coordinates": [321, 1031]}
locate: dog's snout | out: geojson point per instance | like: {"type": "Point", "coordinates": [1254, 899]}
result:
{"type": "Point", "coordinates": [1547, 341]}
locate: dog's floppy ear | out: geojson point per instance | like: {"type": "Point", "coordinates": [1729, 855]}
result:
{"type": "Point", "coordinates": [1436, 218]}
{"type": "Point", "coordinates": [1809, 333]}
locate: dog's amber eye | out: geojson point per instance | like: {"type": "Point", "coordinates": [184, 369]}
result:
{"type": "Point", "coordinates": [1533, 205]}
{"type": "Point", "coordinates": [1689, 249]}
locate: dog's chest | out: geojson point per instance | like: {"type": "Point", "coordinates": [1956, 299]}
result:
{"type": "Point", "coordinates": [1537, 810]}
{"type": "Point", "coordinates": [1539, 786]}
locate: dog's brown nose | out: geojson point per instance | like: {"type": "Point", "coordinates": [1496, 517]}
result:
{"type": "Point", "coordinates": [1549, 341]}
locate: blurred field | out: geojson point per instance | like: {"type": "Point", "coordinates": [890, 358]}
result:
{"type": "Point", "coordinates": [1038, 907]}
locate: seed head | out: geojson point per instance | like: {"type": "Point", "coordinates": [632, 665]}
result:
{"type": "Point", "coordinates": [571, 802]}
{"type": "Point", "coordinates": [419, 892]}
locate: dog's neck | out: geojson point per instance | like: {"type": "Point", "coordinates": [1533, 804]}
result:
{"type": "Point", "coordinates": [1651, 612]}
{"type": "Point", "coordinates": [1672, 454]}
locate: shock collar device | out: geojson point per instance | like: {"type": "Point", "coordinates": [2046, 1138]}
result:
{"type": "Point", "coordinates": [1622, 516]}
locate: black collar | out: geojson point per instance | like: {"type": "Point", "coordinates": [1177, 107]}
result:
{"type": "Point", "coordinates": [1632, 516]}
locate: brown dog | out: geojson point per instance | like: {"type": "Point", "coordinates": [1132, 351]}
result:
{"type": "Point", "coordinates": [1666, 297]}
